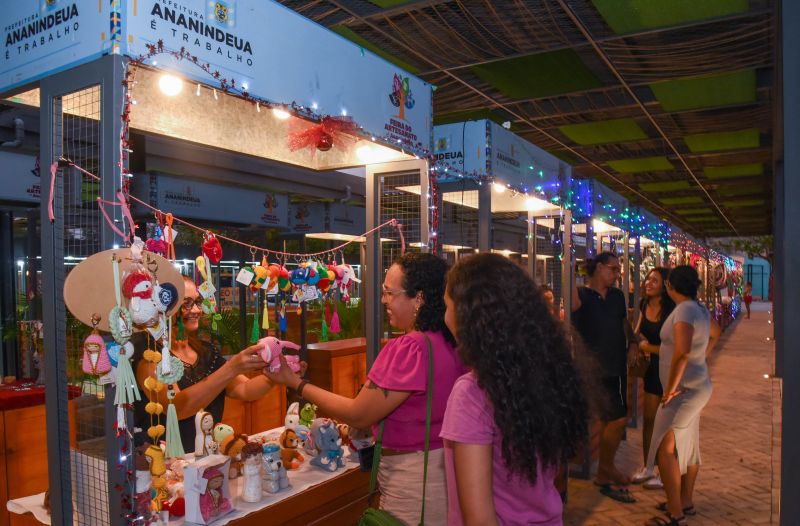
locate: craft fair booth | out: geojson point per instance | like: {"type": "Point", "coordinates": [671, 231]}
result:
{"type": "Point", "coordinates": [498, 192]}
{"type": "Point", "coordinates": [204, 76]}
{"type": "Point", "coordinates": [603, 222]}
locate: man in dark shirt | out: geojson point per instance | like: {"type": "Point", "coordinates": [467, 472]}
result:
{"type": "Point", "coordinates": [600, 316]}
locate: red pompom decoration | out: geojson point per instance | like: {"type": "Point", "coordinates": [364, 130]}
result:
{"type": "Point", "coordinates": [138, 284]}
{"type": "Point", "coordinates": [178, 507]}
{"type": "Point", "coordinates": [156, 246]}
{"type": "Point", "coordinates": [212, 249]}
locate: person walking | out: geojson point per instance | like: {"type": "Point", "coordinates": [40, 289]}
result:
{"type": "Point", "coordinates": [600, 316]}
{"type": "Point", "coordinates": [748, 297]}
{"type": "Point", "coordinates": [687, 336]}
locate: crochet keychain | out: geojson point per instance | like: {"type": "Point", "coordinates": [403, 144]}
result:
{"type": "Point", "coordinates": [170, 376]}
{"type": "Point", "coordinates": [119, 319]}
{"type": "Point", "coordinates": [95, 355]}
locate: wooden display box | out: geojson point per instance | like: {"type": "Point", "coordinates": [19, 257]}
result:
{"type": "Point", "coordinates": [338, 366]}
{"type": "Point", "coordinates": [23, 456]}
{"type": "Point", "coordinates": [253, 417]}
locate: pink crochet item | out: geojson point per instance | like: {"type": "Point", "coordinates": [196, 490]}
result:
{"type": "Point", "coordinates": [213, 502]}
{"type": "Point", "coordinates": [95, 356]}
{"type": "Point", "coordinates": [273, 348]}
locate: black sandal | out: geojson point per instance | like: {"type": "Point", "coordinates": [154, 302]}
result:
{"type": "Point", "coordinates": [666, 520]}
{"type": "Point", "coordinates": [689, 510]}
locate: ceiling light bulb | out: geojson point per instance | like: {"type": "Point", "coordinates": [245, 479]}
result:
{"type": "Point", "coordinates": [280, 113]}
{"type": "Point", "coordinates": [499, 188]}
{"type": "Point", "coordinates": [170, 85]}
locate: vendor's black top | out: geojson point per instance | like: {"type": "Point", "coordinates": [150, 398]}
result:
{"type": "Point", "coordinates": [209, 360]}
{"type": "Point", "coordinates": [599, 321]}
{"type": "Point", "coordinates": [651, 330]}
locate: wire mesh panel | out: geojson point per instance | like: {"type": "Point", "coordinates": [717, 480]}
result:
{"type": "Point", "coordinates": [458, 216]}
{"type": "Point", "coordinates": [77, 138]}
{"type": "Point", "coordinates": [400, 200]}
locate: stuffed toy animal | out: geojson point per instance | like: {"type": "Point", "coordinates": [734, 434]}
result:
{"type": "Point", "coordinates": [327, 440]}
{"type": "Point", "coordinates": [232, 446]}
{"type": "Point", "coordinates": [138, 288]}
{"type": "Point", "coordinates": [261, 277]}
{"type": "Point", "coordinates": [308, 414]}
{"type": "Point", "coordinates": [292, 416]}
{"type": "Point", "coordinates": [272, 348]}
{"type": "Point", "coordinates": [291, 457]}
{"type": "Point", "coordinates": [221, 432]}
{"type": "Point", "coordinates": [275, 478]}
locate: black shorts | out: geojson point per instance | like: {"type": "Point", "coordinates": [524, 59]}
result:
{"type": "Point", "coordinates": [616, 389]}
{"type": "Point", "coordinates": [652, 383]}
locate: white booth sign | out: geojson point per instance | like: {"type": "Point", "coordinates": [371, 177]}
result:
{"type": "Point", "coordinates": [18, 174]}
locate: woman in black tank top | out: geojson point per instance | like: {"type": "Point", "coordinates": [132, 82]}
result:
{"type": "Point", "coordinates": [655, 307]}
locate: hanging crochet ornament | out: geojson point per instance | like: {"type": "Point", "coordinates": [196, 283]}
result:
{"type": "Point", "coordinates": [282, 319]}
{"type": "Point", "coordinates": [174, 444]}
{"type": "Point", "coordinates": [138, 288]}
{"type": "Point", "coordinates": [156, 244]}
{"type": "Point", "coordinates": [120, 320]}
{"type": "Point", "coordinates": [211, 248]}
{"type": "Point", "coordinates": [255, 333]}
{"type": "Point", "coordinates": [206, 289]}
{"type": "Point", "coordinates": [335, 327]}
{"type": "Point", "coordinates": [95, 355]}
{"type": "Point", "coordinates": [323, 334]}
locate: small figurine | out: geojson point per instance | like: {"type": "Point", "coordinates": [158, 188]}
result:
{"type": "Point", "coordinates": [327, 441]}
{"type": "Point", "coordinates": [292, 416]}
{"type": "Point", "coordinates": [308, 414]}
{"type": "Point", "coordinates": [158, 468]}
{"type": "Point", "coordinates": [204, 443]}
{"type": "Point", "coordinates": [213, 501]}
{"type": "Point", "coordinates": [232, 446]}
{"type": "Point", "coordinates": [290, 456]}
{"type": "Point", "coordinates": [252, 458]}
{"type": "Point", "coordinates": [272, 348]}
{"type": "Point", "coordinates": [95, 356]}
{"type": "Point", "coordinates": [275, 477]}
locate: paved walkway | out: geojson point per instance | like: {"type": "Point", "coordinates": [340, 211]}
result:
{"type": "Point", "coordinates": [735, 482]}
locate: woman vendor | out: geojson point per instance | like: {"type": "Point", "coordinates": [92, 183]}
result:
{"type": "Point", "coordinates": [207, 378]}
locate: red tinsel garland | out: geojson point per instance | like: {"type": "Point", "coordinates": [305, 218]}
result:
{"type": "Point", "coordinates": [331, 131]}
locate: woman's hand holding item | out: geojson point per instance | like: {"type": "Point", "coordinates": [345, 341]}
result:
{"type": "Point", "coordinates": [247, 361]}
{"type": "Point", "coordinates": [285, 375]}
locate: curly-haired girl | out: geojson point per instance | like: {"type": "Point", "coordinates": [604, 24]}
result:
{"type": "Point", "coordinates": [521, 411]}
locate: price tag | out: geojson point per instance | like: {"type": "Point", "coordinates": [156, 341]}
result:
{"type": "Point", "coordinates": [174, 234]}
{"type": "Point", "coordinates": [157, 331]}
{"type": "Point", "coordinates": [299, 295]}
{"type": "Point", "coordinates": [207, 290]}
{"type": "Point", "coordinates": [245, 277]}
{"type": "Point", "coordinates": [310, 292]}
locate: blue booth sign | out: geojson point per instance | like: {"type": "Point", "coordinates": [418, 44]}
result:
{"type": "Point", "coordinates": [485, 149]}
{"type": "Point", "coordinates": [21, 177]}
{"type": "Point", "coordinates": [42, 37]}
{"type": "Point", "coordinates": [277, 54]}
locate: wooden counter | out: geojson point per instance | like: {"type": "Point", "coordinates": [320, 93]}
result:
{"type": "Point", "coordinates": [340, 501]}
{"type": "Point", "coordinates": [249, 418]}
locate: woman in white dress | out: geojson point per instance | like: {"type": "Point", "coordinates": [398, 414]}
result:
{"type": "Point", "coordinates": [687, 336]}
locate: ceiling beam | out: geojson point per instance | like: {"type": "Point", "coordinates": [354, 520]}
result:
{"type": "Point", "coordinates": [657, 208]}
{"type": "Point", "coordinates": [610, 38]}
{"type": "Point", "coordinates": [389, 12]}
{"type": "Point", "coordinates": [604, 57]}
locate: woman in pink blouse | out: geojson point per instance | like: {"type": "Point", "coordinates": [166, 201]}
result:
{"type": "Point", "coordinates": [520, 412]}
{"type": "Point", "coordinates": [413, 293]}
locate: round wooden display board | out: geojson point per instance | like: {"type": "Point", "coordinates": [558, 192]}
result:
{"type": "Point", "coordinates": [89, 287]}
